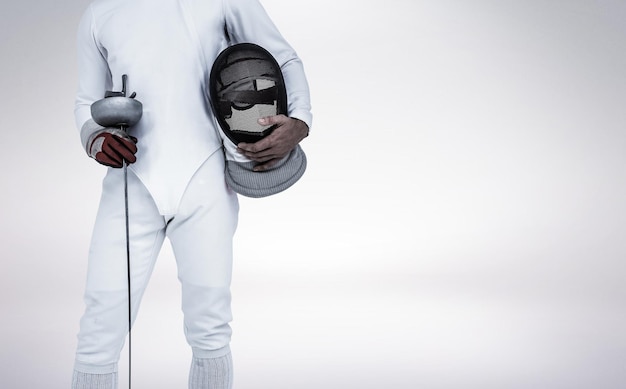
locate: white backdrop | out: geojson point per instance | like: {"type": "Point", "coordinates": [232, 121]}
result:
{"type": "Point", "coordinates": [461, 223]}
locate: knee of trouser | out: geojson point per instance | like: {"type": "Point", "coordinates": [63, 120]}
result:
{"type": "Point", "coordinates": [103, 330]}
{"type": "Point", "coordinates": [207, 314]}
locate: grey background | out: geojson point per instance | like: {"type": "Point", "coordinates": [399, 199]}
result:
{"type": "Point", "coordinates": [461, 223]}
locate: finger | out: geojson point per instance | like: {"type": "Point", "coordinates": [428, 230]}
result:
{"type": "Point", "coordinates": [117, 153]}
{"type": "Point", "coordinates": [123, 153]}
{"type": "Point", "coordinates": [263, 159]}
{"type": "Point", "coordinates": [111, 154]}
{"type": "Point", "coordinates": [256, 147]}
{"type": "Point", "coordinates": [269, 120]}
{"type": "Point", "coordinates": [104, 159]}
{"type": "Point", "coordinates": [125, 148]}
{"type": "Point", "coordinates": [266, 166]}
{"type": "Point", "coordinates": [127, 143]}
{"type": "Point", "coordinates": [260, 156]}
{"type": "Point", "coordinates": [276, 150]}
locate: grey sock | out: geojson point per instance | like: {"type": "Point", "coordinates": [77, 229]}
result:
{"type": "Point", "coordinates": [211, 373]}
{"type": "Point", "coordinates": [94, 381]}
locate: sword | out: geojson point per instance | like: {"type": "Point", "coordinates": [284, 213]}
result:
{"type": "Point", "coordinates": [117, 110]}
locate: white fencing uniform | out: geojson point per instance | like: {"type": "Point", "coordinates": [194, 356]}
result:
{"type": "Point", "coordinates": [176, 187]}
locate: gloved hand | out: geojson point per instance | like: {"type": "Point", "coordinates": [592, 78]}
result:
{"type": "Point", "coordinates": [111, 146]}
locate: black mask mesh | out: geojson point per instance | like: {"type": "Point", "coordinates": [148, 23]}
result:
{"type": "Point", "coordinates": [246, 84]}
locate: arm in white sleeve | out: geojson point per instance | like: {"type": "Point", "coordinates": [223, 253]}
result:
{"type": "Point", "coordinates": [93, 76]}
{"type": "Point", "coordinates": [247, 21]}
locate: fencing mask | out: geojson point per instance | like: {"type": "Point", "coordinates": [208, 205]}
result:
{"type": "Point", "coordinates": [246, 84]}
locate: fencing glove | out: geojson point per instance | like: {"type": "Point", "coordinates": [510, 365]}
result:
{"type": "Point", "coordinates": [109, 146]}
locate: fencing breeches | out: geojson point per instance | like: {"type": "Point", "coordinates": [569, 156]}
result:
{"type": "Point", "coordinates": [201, 235]}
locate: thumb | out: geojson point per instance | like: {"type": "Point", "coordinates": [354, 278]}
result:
{"type": "Point", "coordinates": [269, 120]}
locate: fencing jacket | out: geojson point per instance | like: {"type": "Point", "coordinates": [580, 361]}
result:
{"type": "Point", "coordinates": [167, 47]}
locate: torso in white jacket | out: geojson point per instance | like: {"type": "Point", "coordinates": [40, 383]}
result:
{"type": "Point", "coordinates": [167, 47]}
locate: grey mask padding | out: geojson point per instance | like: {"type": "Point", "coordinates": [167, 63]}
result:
{"type": "Point", "coordinates": [243, 180]}
{"type": "Point", "coordinates": [246, 84]}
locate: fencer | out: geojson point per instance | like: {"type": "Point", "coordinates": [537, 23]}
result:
{"type": "Point", "coordinates": [176, 179]}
